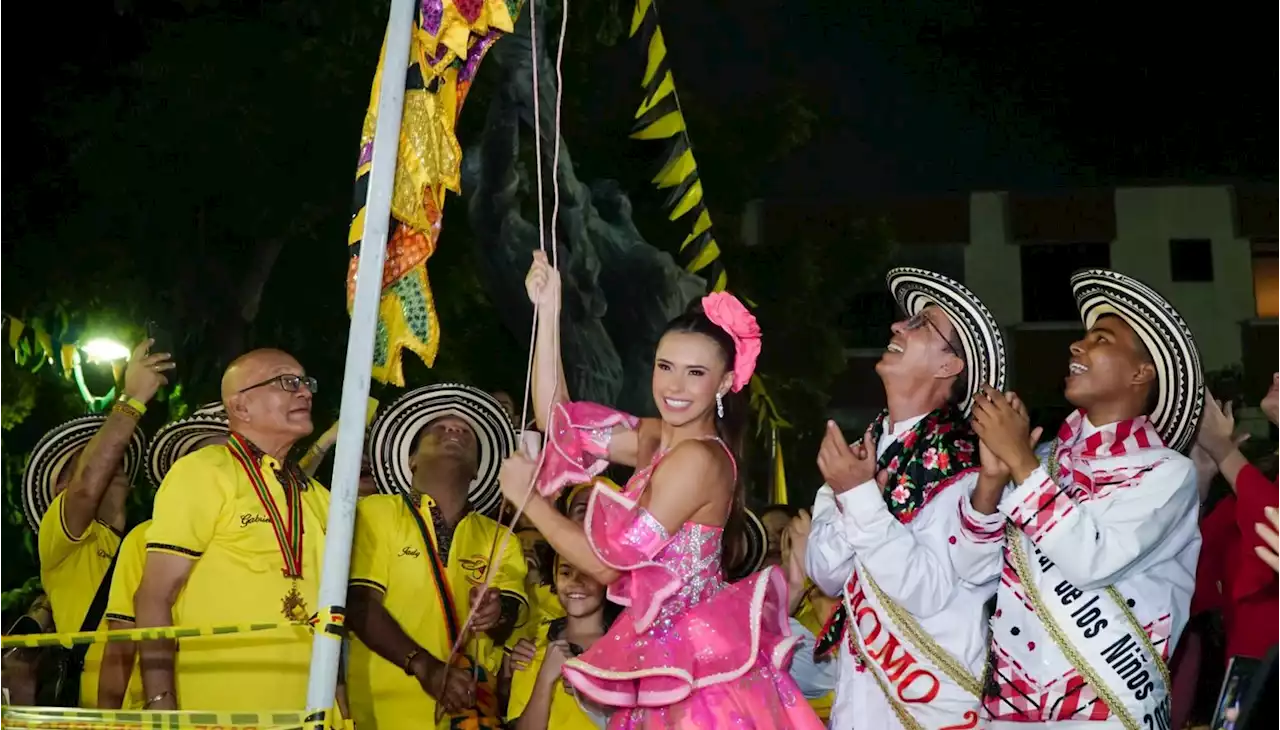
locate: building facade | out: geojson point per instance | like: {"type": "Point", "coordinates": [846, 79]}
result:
{"type": "Point", "coordinates": [1212, 250]}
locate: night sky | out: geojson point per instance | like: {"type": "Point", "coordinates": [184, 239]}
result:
{"type": "Point", "coordinates": [915, 96]}
{"type": "Point", "coordinates": [205, 159]}
{"type": "Point", "coordinates": [929, 95]}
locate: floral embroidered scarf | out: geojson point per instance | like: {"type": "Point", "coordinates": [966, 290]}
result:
{"type": "Point", "coordinates": [939, 446]}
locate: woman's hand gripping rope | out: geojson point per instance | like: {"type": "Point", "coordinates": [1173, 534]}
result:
{"type": "Point", "coordinates": [551, 283]}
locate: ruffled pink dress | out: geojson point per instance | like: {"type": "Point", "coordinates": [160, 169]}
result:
{"type": "Point", "coordinates": [690, 650]}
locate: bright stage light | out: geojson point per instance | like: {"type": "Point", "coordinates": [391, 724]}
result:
{"type": "Point", "coordinates": [103, 350]}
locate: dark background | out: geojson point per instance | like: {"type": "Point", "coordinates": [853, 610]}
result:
{"type": "Point", "coordinates": [156, 150]}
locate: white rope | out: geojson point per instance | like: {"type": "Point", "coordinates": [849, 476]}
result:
{"type": "Point", "coordinates": [499, 546]}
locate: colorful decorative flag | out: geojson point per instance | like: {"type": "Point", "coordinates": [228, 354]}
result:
{"type": "Point", "coordinates": [450, 39]}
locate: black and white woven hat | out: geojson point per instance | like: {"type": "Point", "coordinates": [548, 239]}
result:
{"type": "Point", "coordinates": [756, 545]}
{"type": "Point", "coordinates": [1179, 378]}
{"type": "Point", "coordinates": [977, 329]}
{"type": "Point", "coordinates": [55, 450]}
{"type": "Point", "coordinates": [178, 438]}
{"type": "Point", "coordinates": [395, 431]}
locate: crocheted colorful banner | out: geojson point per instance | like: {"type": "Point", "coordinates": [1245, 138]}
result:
{"type": "Point", "coordinates": [450, 39]}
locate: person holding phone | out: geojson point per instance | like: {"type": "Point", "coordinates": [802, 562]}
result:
{"type": "Point", "coordinates": [75, 490]}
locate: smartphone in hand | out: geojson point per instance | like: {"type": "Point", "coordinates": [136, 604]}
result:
{"type": "Point", "coordinates": [161, 340]}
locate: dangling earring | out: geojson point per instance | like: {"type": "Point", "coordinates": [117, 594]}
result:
{"type": "Point", "coordinates": [719, 405]}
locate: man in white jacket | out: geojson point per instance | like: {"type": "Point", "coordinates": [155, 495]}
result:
{"type": "Point", "coordinates": [911, 634]}
{"type": "Point", "coordinates": [1095, 545]}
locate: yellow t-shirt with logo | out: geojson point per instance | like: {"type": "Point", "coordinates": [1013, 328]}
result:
{"type": "Point", "coordinates": [389, 555]}
{"type": "Point", "coordinates": [565, 712]}
{"type": "Point", "coordinates": [71, 569]}
{"type": "Point", "coordinates": [546, 607]}
{"type": "Point", "coordinates": [124, 583]}
{"type": "Point", "coordinates": [207, 510]}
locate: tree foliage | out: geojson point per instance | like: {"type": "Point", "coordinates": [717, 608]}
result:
{"type": "Point", "coordinates": [193, 164]}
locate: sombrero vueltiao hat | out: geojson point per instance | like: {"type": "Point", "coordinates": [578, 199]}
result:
{"type": "Point", "coordinates": [1179, 379]}
{"type": "Point", "coordinates": [178, 438]}
{"type": "Point", "coordinates": [396, 428]}
{"type": "Point", "coordinates": [978, 331]}
{"type": "Point", "coordinates": [55, 450]}
{"type": "Point", "coordinates": [757, 544]}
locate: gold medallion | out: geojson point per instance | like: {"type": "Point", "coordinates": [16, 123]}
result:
{"type": "Point", "coordinates": [293, 606]}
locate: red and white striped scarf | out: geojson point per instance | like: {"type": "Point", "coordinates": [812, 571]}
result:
{"type": "Point", "coordinates": [1074, 453]}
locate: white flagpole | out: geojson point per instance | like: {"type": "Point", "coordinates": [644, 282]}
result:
{"type": "Point", "coordinates": [355, 384]}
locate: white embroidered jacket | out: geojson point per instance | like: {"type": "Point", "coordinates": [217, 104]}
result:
{"type": "Point", "coordinates": [911, 564]}
{"type": "Point", "coordinates": [1134, 528]}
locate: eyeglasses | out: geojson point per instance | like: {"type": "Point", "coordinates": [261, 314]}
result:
{"type": "Point", "coordinates": [920, 319]}
{"type": "Point", "coordinates": [288, 383]}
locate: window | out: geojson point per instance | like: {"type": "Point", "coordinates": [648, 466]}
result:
{"type": "Point", "coordinates": [1191, 259]}
{"type": "Point", "coordinates": [1046, 277]}
{"type": "Point", "coordinates": [1266, 279]}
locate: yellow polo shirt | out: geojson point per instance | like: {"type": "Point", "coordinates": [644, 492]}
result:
{"type": "Point", "coordinates": [207, 510]}
{"type": "Point", "coordinates": [389, 555]}
{"type": "Point", "coordinates": [124, 583]}
{"type": "Point", "coordinates": [71, 569]}
{"type": "Point", "coordinates": [565, 712]}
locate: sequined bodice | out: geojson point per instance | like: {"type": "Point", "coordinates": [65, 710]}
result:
{"type": "Point", "coordinates": [694, 556]}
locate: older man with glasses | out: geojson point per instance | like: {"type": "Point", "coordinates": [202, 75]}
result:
{"type": "Point", "coordinates": [911, 635]}
{"type": "Point", "coordinates": [237, 537]}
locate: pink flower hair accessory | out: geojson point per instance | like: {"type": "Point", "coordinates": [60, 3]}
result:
{"type": "Point", "coordinates": [726, 312]}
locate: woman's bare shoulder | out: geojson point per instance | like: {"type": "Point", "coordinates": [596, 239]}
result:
{"type": "Point", "coordinates": [703, 460]}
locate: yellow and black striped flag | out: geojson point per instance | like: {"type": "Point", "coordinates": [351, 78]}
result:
{"type": "Point", "coordinates": [660, 117]}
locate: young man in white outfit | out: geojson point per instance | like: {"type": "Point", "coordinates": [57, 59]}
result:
{"type": "Point", "coordinates": [1095, 540]}
{"type": "Point", "coordinates": [911, 634]}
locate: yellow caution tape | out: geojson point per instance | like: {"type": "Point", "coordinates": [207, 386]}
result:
{"type": "Point", "coordinates": [32, 641]}
{"type": "Point", "coordinates": [330, 622]}
{"type": "Point", "coordinates": [66, 718]}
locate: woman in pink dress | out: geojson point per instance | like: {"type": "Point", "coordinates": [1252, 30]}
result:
{"type": "Point", "coordinates": [690, 650]}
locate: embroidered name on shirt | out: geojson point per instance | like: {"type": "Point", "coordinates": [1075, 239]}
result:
{"type": "Point", "coordinates": [411, 552]}
{"type": "Point", "coordinates": [248, 518]}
